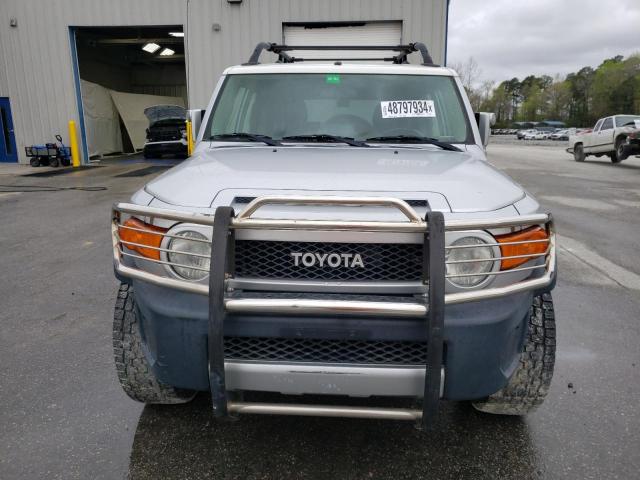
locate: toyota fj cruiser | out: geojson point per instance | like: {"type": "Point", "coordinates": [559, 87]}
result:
{"type": "Point", "coordinates": [337, 232]}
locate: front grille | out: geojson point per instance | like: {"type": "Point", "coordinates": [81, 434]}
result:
{"type": "Point", "coordinates": [382, 261]}
{"type": "Point", "coordinates": [325, 351]}
{"type": "Point", "coordinates": [165, 136]}
{"type": "Point", "coordinates": [160, 134]}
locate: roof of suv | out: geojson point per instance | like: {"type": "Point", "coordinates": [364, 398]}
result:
{"type": "Point", "coordinates": [332, 67]}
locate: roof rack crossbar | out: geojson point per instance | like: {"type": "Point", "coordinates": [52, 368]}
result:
{"type": "Point", "coordinates": [288, 48]}
{"type": "Point", "coordinates": [343, 59]}
{"type": "Point", "coordinates": [283, 57]}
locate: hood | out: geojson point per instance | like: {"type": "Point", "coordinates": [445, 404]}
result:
{"type": "Point", "coordinates": [467, 183]}
{"type": "Point", "coordinates": [165, 112]}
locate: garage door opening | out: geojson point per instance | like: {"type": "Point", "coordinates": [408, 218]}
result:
{"type": "Point", "coordinates": [122, 71]}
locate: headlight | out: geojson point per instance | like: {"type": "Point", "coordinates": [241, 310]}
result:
{"type": "Point", "coordinates": [194, 262]}
{"type": "Point", "coordinates": [468, 261]}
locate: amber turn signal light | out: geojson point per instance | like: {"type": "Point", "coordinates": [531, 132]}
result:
{"type": "Point", "coordinates": [534, 244]}
{"type": "Point", "coordinates": [137, 232]}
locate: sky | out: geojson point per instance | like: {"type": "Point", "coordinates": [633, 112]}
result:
{"type": "Point", "coordinates": [516, 38]}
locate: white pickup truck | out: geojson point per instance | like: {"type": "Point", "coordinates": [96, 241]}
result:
{"type": "Point", "coordinates": [607, 138]}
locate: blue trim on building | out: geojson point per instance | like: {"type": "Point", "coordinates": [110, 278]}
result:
{"type": "Point", "coordinates": [76, 79]}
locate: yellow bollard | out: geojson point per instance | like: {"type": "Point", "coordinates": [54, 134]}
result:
{"type": "Point", "coordinates": [189, 138]}
{"type": "Point", "coordinates": [73, 142]}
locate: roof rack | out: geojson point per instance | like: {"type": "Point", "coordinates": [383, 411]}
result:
{"type": "Point", "coordinates": [284, 57]}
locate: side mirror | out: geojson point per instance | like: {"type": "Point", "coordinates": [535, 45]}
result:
{"type": "Point", "coordinates": [195, 117]}
{"type": "Point", "coordinates": [485, 121]}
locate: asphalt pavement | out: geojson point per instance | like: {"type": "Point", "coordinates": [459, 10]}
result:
{"type": "Point", "coordinates": [64, 416]}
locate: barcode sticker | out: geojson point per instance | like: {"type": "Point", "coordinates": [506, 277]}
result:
{"type": "Point", "coordinates": [408, 108]}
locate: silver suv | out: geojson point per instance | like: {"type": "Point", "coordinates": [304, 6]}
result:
{"type": "Point", "coordinates": [337, 231]}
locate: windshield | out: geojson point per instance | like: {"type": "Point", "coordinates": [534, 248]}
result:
{"type": "Point", "coordinates": [358, 106]}
{"type": "Point", "coordinates": [627, 120]}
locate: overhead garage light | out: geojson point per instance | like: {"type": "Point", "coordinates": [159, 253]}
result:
{"type": "Point", "coordinates": [151, 47]}
{"type": "Point", "coordinates": [166, 52]}
{"type": "Point", "coordinates": [176, 34]}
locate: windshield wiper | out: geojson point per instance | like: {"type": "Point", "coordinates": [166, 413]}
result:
{"type": "Point", "coordinates": [415, 139]}
{"type": "Point", "coordinates": [252, 137]}
{"type": "Point", "coordinates": [324, 137]}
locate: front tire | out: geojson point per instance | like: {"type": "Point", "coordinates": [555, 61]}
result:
{"type": "Point", "coordinates": [618, 154]}
{"type": "Point", "coordinates": [578, 153]}
{"type": "Point", "coordinates": [530, 383]}
{"type": "Point", "coordinates": [134, 372]}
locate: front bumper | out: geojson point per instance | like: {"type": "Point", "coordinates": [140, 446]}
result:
{"type": "Point", "coordinates": [632, 148]}
{"type": "Point", "coordinates": [482, 340]}
{"type": "Point", "coordinates": [171, 147]}
{"type": "Point", "coordinates": [472, 348]}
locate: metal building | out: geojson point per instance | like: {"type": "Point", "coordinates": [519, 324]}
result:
{"type": "Point", "coordinates": [49, 49]}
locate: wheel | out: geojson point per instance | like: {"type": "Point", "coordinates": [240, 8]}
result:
{"type": "Point", "coordinates": [618, 154]}
{"type": "Point", "coordinates": [34, 161]}
{"type": "Point", "coordinates": [530, 383]}
{"type": "Point", "coordinates": [578, 153]}
{"type": "Point", "coordinates": [53, 162]}
{"type": "Point", "coordinates": [134, 373]}
{"type": "Point", "coordinates": [65, 162]}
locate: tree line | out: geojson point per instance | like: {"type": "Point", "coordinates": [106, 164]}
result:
{"type": "Point", "coordinates": [578, 99]}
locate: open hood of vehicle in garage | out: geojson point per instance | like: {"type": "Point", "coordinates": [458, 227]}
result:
{"type": "Point", "coordinates": [468, 184]}
{"type": "Point", "coordinates": [158, 113]}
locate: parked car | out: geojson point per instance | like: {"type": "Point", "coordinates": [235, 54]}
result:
{"type": "Point", "coordinates": [535, 135]}
{"type": "Point", "coordinates": [167, 132]}
{"type": "Point", "coordinates": [556, 135]}
{"type": "Point", "coordinates": [608, 137]}
{"type": "Point", "coordinates": [327, 246]}
{"type": "Point", "coordinates": [562, 134]}
{"type": "Point", "coordinates": [522, 133]}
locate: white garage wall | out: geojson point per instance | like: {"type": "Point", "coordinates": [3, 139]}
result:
{"type": "Point", "coordinates": [4, 88]}
{"type": "Point", "coordinates": [36, 55]}
{"type": "Point", "coordinates": [253, 21]}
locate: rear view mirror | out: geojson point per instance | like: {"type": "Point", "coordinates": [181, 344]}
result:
{"type": "Point", "coordinates": [485, 121]}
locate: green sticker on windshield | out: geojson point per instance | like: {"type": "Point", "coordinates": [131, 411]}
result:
{"type": "Point", "coordinates": [333, 79]}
